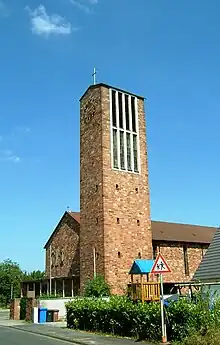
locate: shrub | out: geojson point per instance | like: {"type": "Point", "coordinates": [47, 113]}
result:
{"type": "Point", "coordinates": [3, 301]}
{"type": "Point", "coordinates": [118, 316]}
{"type": "Point", "coordinates": [23, 303]}
{"type": "Point", "coordinates": [97, 287]}
{"type": "Point", "coordinates": [212, 337]}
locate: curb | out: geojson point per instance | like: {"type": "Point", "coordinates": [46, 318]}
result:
{"type": "Point", "coordinates": [51, 336]}
{"type": "Point", "coordinates": [71, 341]}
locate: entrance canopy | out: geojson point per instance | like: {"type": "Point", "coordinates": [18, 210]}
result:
{"type": "Point", "coordinates": [141, 266]}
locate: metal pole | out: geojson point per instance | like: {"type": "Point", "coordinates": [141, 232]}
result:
{"type": "Point", "coordinates": [50, 272]}
{"type": "Point", "coordinates": [94, 261]}
{"type": "Point", "coordinates": [11, 291]}
{"type": "Point", "coordinates": [164, 335]}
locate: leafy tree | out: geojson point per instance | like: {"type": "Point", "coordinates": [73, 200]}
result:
{"type": "Point", "coordinates": [34, 275]}
{"type": "Point", "coordinates": [97, 287]}
{"type": "Point", "coordinates": [10, 278]}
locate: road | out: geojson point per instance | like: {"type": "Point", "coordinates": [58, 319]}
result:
{"type": "Point", "coordinates": [9, 336]}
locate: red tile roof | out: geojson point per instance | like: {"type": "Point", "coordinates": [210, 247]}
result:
{"type": "Point", "coordinates": [175, 232]}
{"type": "Point", "coordinates": [169, 232]}
{"type": "Point", "coordinates": [75, 215]}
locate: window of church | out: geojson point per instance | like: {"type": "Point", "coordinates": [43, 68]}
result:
{"type": "Point", "coordinates": [186, 261]}
{"type": "Point", "coordinates": [122, 152]}
{"type": "Point", "coordinates": [133, 114]}
{"type": "Point", "coordinates": [135, 153]}
{"type": "Point", "coordinates": [120, 110]}
{"type": "Point", "coordinates": [115, 149]}
{"type": "Point", "coordinates": [125, 136]}
{"type": "Point", "coordinates": [128, 137]}
{"type": "Point", "coordinates": [127, 112]}
{"type": "Point", "coordinates": [114, 108]}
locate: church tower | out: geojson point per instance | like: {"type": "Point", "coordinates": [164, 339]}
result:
{"type": "Point", "coordinates": [115, 225]}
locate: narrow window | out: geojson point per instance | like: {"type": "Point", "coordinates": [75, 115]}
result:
{"type": "Point", "coordinates": [117, 187]}
{"type": "Point", "coordinates": [154, 251]}
{"type": "Point", "coordinates": [119, 255]}
{"type": "Point", "coordinates": [186, 262]}
{"type": "Point", "coordinates": [129, 151]}
{"type": "Point", "coordinates": [139, 255]}
{"type": "Point", "coordinates": [135, 153]}
{"type": "Point", "coordinates": [122, 151]}
{"type": "Point", "coordinates": [136, 190]}
{"type": "Point", "coordinates": [138, 222]}
{"type": "Point", "coordinates": [133, 114]}
{"type": "Point", "coordinates": [114, 108]}
{"type": "Point", "coordinates": [120, 110]}
{"type": "Point", "coordinates": [97, 220]}
{"type": "Point", "coordinates": [96, 188]}
{"type": "Point", "coordinates": [118, 221]}
{"type": "Point", "coordinates": [127, 112]}
{"type": "Point", "coordinates": [115, 151]}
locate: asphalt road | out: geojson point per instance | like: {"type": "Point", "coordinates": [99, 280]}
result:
{"type": "Point", "coordinates": [9, 336]}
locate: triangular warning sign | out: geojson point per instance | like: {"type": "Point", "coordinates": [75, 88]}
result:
{"type": "Point", "coordinates": [160, 265]}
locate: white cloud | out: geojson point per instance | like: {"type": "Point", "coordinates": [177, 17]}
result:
{"type": "Point", "coordinates": [84, 5]}
{"type": "Point", "coordinates": [43, 24]}
{"type": "Point", "coordinates": [8, 155]}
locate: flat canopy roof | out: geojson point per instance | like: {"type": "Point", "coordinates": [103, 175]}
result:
{"type": "Point", "coordinates": [141, 266]}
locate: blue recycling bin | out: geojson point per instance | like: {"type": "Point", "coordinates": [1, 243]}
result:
{"type": "Point", "coordinates": [42, 315]}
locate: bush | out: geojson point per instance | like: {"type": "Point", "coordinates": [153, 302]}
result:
{"type": "Point", "coordinates": [120, 316]}
{"type": "Point", "coordinates": [97, 287]}
{"type": "Point", "coordinates": [23, 303]}
{"type": "Point", "coordinates": [3, 301]}
{"type": "Point", "coordinates": [212, 337]}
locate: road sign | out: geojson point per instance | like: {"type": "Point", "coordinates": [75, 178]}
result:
{"type": "Point", "coordinates": [160, 266]}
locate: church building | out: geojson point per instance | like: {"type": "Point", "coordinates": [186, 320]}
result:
{"type": "Point", "coordinates": [114, 226]}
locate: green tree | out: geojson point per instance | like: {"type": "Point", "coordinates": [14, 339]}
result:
{"type": "Point", "coordinates": [97, 287]}
{"type": "Point", "coordinates": [34, 275]}
{"type": "Point", "coordinates": [10, 278]}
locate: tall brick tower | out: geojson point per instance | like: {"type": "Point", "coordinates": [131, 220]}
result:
{"type": "Point", "coordinates": [115, 225]}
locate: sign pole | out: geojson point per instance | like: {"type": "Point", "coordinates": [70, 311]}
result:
{"type": "Point", "coordinates": [164, 335]}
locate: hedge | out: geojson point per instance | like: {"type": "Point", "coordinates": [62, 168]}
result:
{"type": "Point", "coordinates": [119, 316]}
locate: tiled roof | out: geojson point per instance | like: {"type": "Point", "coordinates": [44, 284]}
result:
{"type": "Point", "coordinates": [170, 232]}
{"type": "Point", "coordinates": [164, 231]}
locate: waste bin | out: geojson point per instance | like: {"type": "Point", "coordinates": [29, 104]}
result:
{"type": "Point", "coordinates": [52, 315]}
{"type": "Point", "coordinates": [42, 315]}
{"type": "Point", "coordinates": [49, 315]}
{"type": "Point", "coordinates": [55, 315]}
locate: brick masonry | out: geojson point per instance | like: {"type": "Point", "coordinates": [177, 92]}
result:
{"type": "Point", "coordinates": [116, 245]}
{"type": "Point", "coordinates": [174, 254]}
{"type": "Point", "coordinates": [101, 204]}
{"type": "Point", "coordinates": [64, 249]}
{"type": "Point", "coordinates": [15, 309]}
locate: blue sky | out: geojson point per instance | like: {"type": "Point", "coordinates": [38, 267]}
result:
{"type": "Point", "coordinates": [168, 51]}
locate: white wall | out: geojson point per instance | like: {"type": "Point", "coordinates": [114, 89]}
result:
{"type": "Point", "coordinates": [58, 303]}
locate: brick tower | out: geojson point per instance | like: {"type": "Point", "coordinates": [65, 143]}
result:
{"type": "Point", "coordinates": [115, 225]}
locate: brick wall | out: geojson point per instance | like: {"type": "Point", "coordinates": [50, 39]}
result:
{"type": "Point", "coordinates": [64, 249]}
{"type": "Point", "coordinates": [174, 255]}
{"type": "Point", "coordinates": [15, 309]}
{"type": "Point", "coordinates": [117, 244]}
{"type": "Point", "coordinates": [91, 186]}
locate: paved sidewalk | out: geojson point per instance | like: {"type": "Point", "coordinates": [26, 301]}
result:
{"type": "Point", "coordinates": [4, 319]}
{"type": "Point", "coordinates": [57, 331]}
